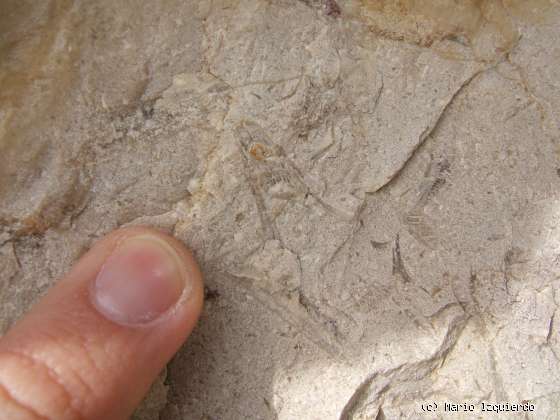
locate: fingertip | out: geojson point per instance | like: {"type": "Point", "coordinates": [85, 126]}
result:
{"type": "Point", "coordinates": [112, 323]}
{"type": "Point", "coordinates": [148, 277]}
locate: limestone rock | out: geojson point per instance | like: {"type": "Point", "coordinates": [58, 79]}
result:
{"type": "Point", "coordinates": [371, 188]}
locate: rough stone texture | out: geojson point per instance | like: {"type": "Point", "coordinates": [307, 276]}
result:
{"type": "Point", "coordinates": [371, 188]}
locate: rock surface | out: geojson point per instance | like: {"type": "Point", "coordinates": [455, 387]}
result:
{"type": "Point", "coordinates": [371, 188]}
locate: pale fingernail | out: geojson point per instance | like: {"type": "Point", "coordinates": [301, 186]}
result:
{"type": "Point", "coordinates": [140, 281]}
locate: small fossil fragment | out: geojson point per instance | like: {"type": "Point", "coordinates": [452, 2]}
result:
{"type": "Point", "coordinates": [332, 8]}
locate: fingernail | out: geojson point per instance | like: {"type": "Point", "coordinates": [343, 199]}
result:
{"type": "Point", "coordinates": [140, 281]}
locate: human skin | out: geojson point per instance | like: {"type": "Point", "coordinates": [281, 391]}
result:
{"type": "Point", "coordinates": [92, 346]}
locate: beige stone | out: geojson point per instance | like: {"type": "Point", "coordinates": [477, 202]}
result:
{"type": "Point", "coordinates": [371, 188]}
